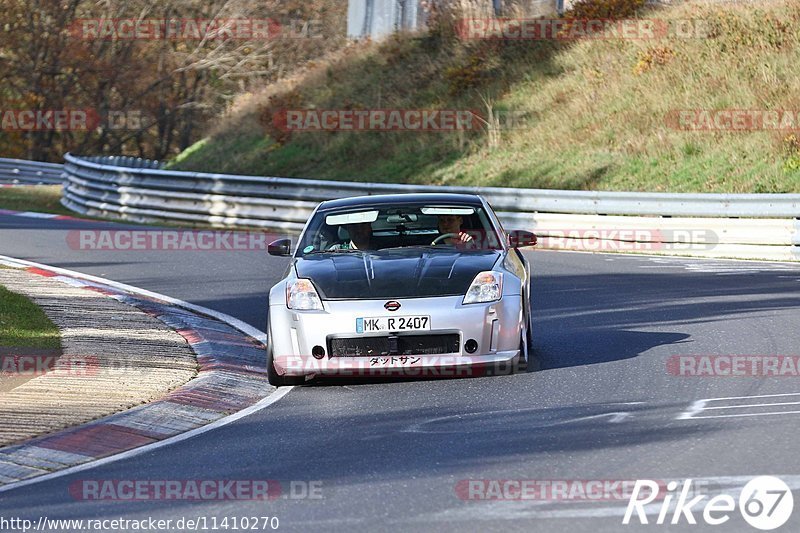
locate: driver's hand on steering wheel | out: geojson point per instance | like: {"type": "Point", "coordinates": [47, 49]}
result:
{"type": "Point", "coordinates": [454, 239]}
{"type": "Point", "coordinates": [463, 237]}
{"type": "Point", "coordinates": [459, 240]}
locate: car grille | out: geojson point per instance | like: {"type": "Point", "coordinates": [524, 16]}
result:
{"type": "Point", "coordinates": [394, 345]}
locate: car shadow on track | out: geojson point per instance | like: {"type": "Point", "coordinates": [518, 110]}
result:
{"type": "Point", "coordinates": [593, 346]}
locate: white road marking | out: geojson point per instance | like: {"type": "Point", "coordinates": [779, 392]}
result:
{"type": "Point", "coordinates": [751, 405]}
{"type": "Point", "coordinates": [614, 417]}
{"type": "Point", "coordinates": [777, 395]}
{"type": "Point", "coordinates": [693, 409]}
{"type": "Point", "coordinates": [720, 266]}
{"type": "Point", "coordinates": [748, 414]}
{"type": "Point", "coordinates": [618, 417]}
{"type": "Point", "coordinates": [702, 406]}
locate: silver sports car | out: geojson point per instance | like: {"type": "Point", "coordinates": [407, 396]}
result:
{"type": "Point", "coordinates": [406, 285]}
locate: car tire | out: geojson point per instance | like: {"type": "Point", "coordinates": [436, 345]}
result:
{"type": "Point", "coordinates": [534, 363]}
{"type": "Point", "coordinates": [521, 362]}
{"type": "Point", "coordinates": [529, 362]}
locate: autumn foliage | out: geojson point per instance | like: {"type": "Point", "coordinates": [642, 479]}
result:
{"type": "Point", "coordinates": [149, 97]}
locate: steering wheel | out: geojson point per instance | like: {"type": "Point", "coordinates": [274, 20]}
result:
{"type": "Point", "coordinates": [440, 238]}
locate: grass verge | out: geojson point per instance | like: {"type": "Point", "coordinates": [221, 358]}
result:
{"type": "Point", "coordinates": [591, 114]}
{"type": "Point", "coordinates": [35, 198]}
{"type": "Point", "coordinates": [24, 325]}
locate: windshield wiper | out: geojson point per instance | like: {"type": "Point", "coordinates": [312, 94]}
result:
{"type": "Point", "coordinates": [412, 246]}
{"type": "Point", "coordinates": [338, 251]}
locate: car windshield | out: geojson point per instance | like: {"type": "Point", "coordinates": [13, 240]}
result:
{"type": "Point", "coordinates": [354, 230]}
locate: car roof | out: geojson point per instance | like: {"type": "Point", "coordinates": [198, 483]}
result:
{"type": "Point", "coordinates": [405, 198]}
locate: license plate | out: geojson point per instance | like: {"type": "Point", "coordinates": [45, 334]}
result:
{"type": "Point", "coordinates": [392, 323]}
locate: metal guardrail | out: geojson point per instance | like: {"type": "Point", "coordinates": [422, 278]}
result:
{"type": "Point", "coordinates": [124, 161]}
{"type": "Point", "coordinates": [21, 172]}
{"type": "Point", "coordinates": [142, 191]}
{"type": "Point", "coordinates": [110, 171]}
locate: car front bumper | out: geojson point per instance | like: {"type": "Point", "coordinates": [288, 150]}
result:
{"type": "Point", "coordinates": [496, 328]}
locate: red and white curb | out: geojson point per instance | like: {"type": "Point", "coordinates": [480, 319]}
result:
{"type": "Point", "coordinates": [231, 384]}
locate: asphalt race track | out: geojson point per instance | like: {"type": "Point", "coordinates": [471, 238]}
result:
{"type": "Point", "coordinates": [390, 456]}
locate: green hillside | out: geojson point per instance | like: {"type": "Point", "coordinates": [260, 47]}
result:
{"type": "Point", "coordinates": [596, 113]}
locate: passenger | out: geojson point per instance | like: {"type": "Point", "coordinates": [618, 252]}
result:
{"type": "Point", "coordinates": [360, 237]}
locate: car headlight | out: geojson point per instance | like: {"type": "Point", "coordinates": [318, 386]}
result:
{"type": "Point", "coordinates": [486, 287]}
{"type": "Point", "coordinates": [301, 294]}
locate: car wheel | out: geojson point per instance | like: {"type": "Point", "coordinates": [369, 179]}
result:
{"type": "Point", "coordinates": [521, 364]}
{"type": "Point", "coordinates": [526, 361]}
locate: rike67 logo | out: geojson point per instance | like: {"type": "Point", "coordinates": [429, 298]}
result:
{"type": "Point", "coordinates": [765, 503]}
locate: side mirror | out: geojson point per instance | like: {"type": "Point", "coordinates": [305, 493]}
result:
{"type": "Point", "coordinates": [520, 238]}
{"type": "Point", "coordinates": [282, 247]}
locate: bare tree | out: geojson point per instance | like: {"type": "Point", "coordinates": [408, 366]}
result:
{"type": "Point", "coordinates": [153, 93]}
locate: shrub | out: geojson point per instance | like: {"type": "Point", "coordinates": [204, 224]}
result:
{"type": "Point", "coordinates": [604, 9]}
{"type": "Point", "coordinates": [272, 116]}
{"type": "Point", "coordinates": [660, 55]}
{"type": "Point", "coordinates": [791, 150]}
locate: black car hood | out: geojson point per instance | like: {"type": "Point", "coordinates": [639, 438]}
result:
{"type": "Point", "coordinates": [400, 273]}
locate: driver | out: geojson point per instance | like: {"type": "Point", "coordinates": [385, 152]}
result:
{"type": "Point", "coordinates": [451, 224]}
{"type": "Point", "coordinates": [360, 237]}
